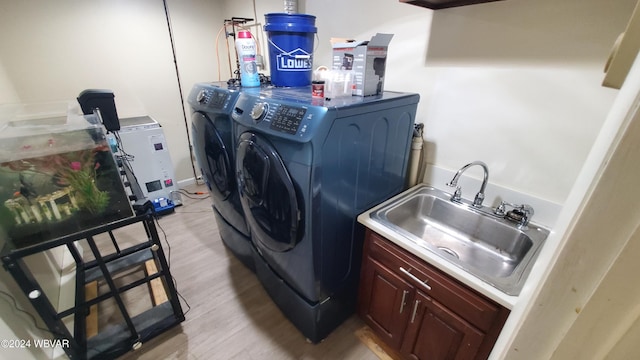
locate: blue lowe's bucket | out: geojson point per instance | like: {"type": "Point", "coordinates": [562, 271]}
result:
{"type": "Point", "coordinates": [290, 48]}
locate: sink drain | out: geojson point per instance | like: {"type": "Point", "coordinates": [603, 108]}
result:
{"type": "Point", "coordinates": [449, 251]}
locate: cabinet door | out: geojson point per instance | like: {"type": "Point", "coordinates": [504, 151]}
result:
{"type": "Point", "coordinates": [436, 333]}
{"type": "Point", "coordinates": [384, 302]}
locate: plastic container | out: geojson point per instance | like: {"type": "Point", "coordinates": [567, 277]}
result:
{"type": "Point", "coordinates": [291, 38]}
{"type": "Point", "coordinates": [317, 88]}
{"type": "Point", "coordinates": [338, 83]}
{"type": "Point", "coordinates": [246, 47]}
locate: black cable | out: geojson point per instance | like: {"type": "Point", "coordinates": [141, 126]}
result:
{"type": "Point", "coordinates": [192, 192]}
{"type": "Point", "coordinates": [123, 156]}
{"type": "Point", "coordinates": [33, 318]}
{"type": "Point", "coordinates": [188, 194]}
{"type": "Point", "coordinates": [123, 153]}
{"type": "Point", "coordinates": [175, 282]}
{"type": "Point", "coordinates": [175, 62]}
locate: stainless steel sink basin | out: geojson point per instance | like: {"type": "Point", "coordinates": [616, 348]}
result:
{"type": "Point", "coordinates": [491, 248]}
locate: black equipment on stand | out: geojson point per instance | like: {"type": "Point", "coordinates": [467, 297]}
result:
{"type": "Point", "coordinates": [101, 102]}
{"type": "Point", "coordinates": [92, 99]}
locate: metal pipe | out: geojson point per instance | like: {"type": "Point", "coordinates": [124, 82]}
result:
{"type": "Point", "coordinates": [415, 157]}
{"type": "Point", "coordinates": [291, 6]}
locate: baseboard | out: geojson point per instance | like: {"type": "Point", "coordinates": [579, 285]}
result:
{"type": "Point", "coordinates": [186, 182]}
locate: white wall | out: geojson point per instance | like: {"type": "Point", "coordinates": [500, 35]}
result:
{"type": "Point", "coordinates": [582, 296]}
{"type": "Point", "coordinates": [513, 83]}
{"type": "Point", "coordinates": [7, 92]}
{"type": "Point", "coordinates": [51, 51]}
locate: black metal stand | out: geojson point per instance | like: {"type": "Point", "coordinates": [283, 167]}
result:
{"type": "Point", "coordinates": [116, 339]}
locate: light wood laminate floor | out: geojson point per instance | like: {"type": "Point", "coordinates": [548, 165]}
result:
{"type": "Point", "coordinates": [231, 316]}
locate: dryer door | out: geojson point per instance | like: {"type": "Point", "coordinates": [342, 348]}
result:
{"type": "Point", "coordinates": [267, 193]}
{"type": "Point", "coordinates": [213, 157]}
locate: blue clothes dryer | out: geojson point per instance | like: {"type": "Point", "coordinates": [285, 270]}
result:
{"type": "Point", "coordinates": [306, 168]}
{"type": "Point", "coordinates": [214, 144]}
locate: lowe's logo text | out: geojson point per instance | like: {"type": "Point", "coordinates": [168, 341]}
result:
{"type": "Point", "coordinates": [297, 60]}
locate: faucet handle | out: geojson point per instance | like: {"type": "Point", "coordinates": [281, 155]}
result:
{"type": "Point", "coordinates": [477, 201]}
{"type": "Point", "coordinates": [457, 195]}
{"type": "Point", "coordinates": [499, 210]}
{"type": "Point", "coordinates": [520, 214]}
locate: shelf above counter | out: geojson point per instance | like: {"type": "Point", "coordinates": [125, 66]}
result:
{"type": "Point", "coordinates": [444, 4]}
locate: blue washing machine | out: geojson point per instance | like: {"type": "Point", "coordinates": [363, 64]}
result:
{"type": "Point", "coordinates": [214, 144]}
{"type": "Point", "coordinates": [305, 169]}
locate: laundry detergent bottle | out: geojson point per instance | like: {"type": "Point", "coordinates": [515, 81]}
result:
{"type": "Point", "coordinates": [246, 47]}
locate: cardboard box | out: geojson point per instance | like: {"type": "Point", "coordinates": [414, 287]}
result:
{"type": "Point", "coordinates": [367, 60]}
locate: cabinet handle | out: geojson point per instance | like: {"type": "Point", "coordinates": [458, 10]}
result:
{"type": "Point", "coordinates": [423, 283]}
{"type": "Point", "coordinates": [415, 309]}
{"type": "Point", "coordinates": [404, 297]}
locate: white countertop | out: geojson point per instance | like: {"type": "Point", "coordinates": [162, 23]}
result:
{"type": "Point", "coordinates": [451, 269]}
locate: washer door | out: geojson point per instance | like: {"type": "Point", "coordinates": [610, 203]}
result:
{"type": "Point", "coordinates": [213, 157]}
{"type": "Point", "coordinates": [268, 194]}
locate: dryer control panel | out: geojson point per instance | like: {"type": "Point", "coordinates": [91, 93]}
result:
{"type": "Point", "coordinates": [211, 97]}
{"type": "Point", "coordinates": [214, 98]}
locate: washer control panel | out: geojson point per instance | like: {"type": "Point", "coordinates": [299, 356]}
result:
{"type": "Point", "coordinates": [287, 119]}
{"type": "Point", "coordinates": [295, 120]}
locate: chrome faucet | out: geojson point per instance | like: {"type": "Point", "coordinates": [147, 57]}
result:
{"type": "Point", "coordinates": [457, 195]}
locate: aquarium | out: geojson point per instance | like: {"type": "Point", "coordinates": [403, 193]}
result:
{"type": "Point", "coordinates": [58, 175]}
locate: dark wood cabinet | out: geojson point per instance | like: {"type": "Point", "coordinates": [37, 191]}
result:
{"type": "Point", "coordinates": [387, 306]}
{"type": "Point", "coordinates": [436, 332]}
{"type": "Point", "coordinates": [443, 4]}
{"type": "Point", "coordinates": [421, 312]}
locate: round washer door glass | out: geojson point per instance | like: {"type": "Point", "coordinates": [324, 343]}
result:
{"type": "Point", "coordinates": [213, 157]}
{"type": "Point", "coordinates": [268, 194]}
